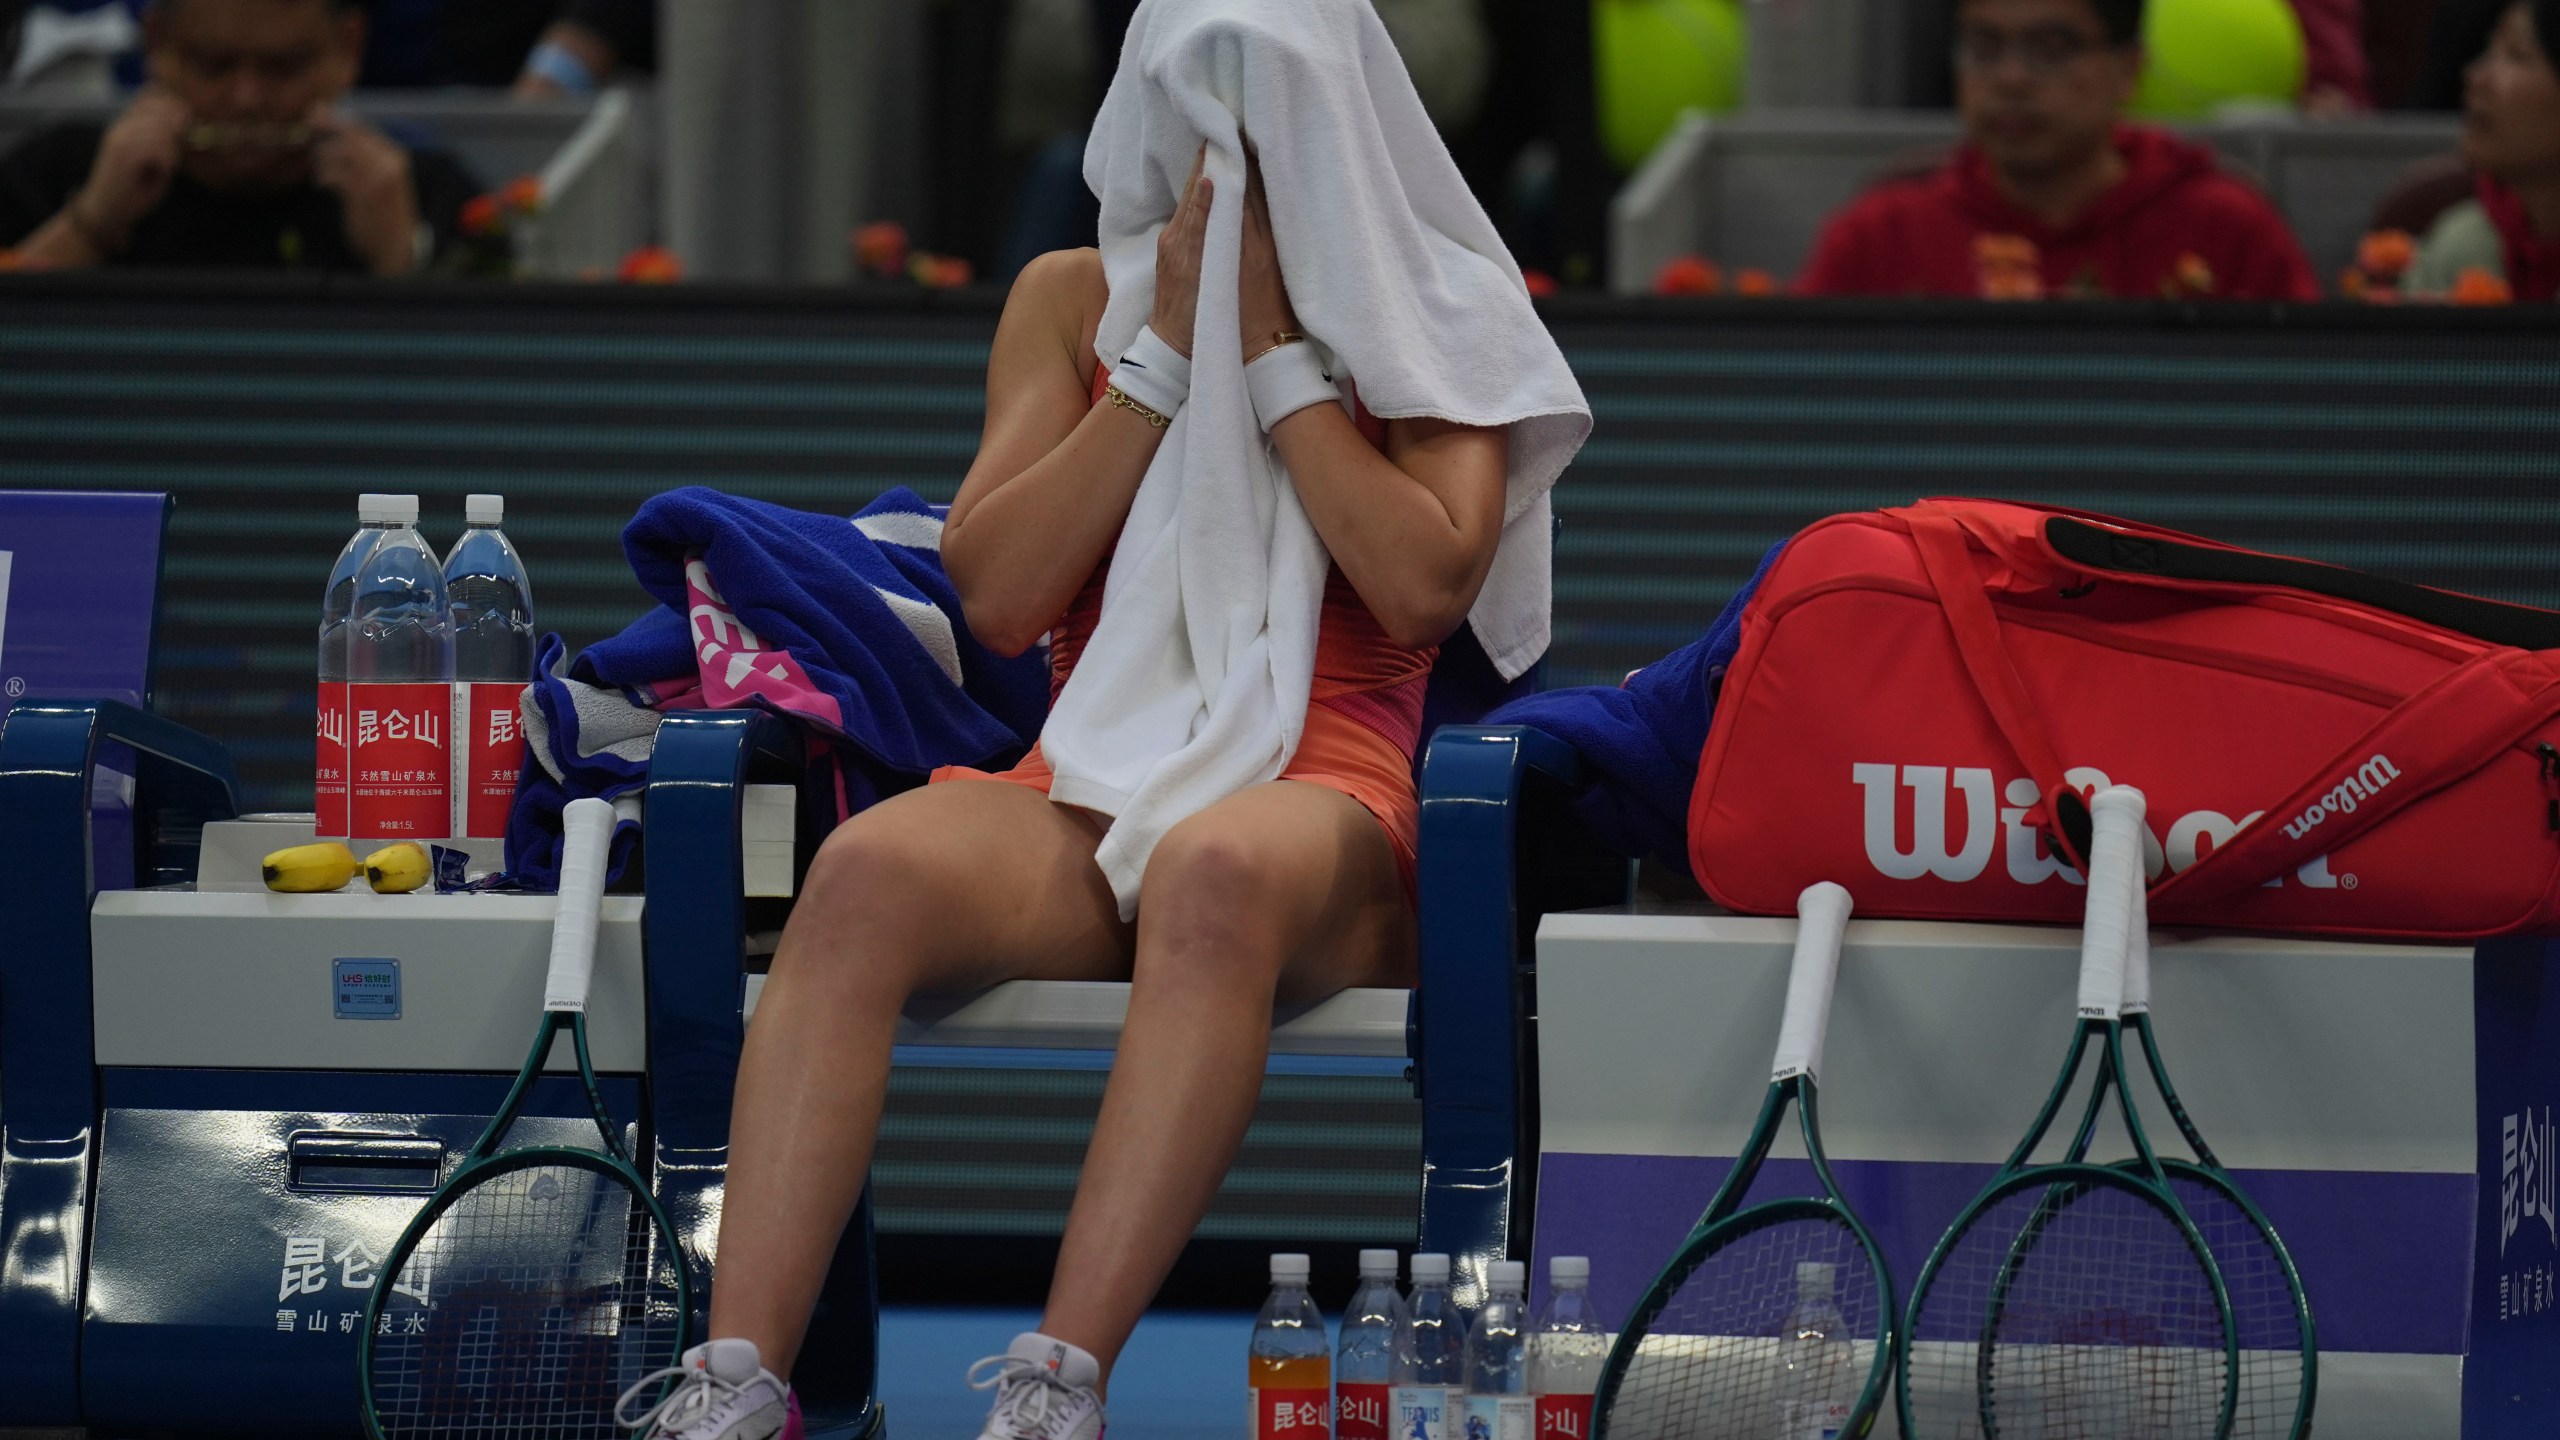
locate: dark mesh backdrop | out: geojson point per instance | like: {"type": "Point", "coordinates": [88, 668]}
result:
{"type": "Point", "coordinates": [2415, 443]}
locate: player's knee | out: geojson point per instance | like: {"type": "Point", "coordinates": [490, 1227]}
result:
{"type": "Point", "coordinates": [1216, 895]}
{"type": "Point", "coordinates": [870, 882]}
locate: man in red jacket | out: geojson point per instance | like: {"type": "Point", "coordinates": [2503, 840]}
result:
{"type": "Point", "coordinates": [2052, 194]}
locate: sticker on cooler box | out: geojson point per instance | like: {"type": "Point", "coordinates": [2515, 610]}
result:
{"type": "Point", "coordinates": [1360, 1413]}
{"type": "Point", "coordinates": [1564, 1417]}
{"type": "Point", "coordinates": [1302, 1414]}
{"type": "Point", "coordinates": [492, 756]}
{"type": "Point", "coordinates": [1422, 1412]}
{"type": "Point", "coordinates": [367, 989]}
{"type": "Point", "coordinates": [329, 765]}
{"type": "Point", "coordinates": [400, 783]}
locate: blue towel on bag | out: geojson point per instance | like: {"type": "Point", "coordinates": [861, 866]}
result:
{"type": "Point", "coordinates": [1641, 739]}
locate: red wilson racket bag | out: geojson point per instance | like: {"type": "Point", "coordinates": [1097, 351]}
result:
{"type": "Point", "coordinates": [1924, 697]}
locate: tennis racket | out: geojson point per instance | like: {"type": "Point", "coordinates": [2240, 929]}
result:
{"type": "Point", "coordinates": [2070, 1300]}
{"type": "Point", "coordinates": [536, 1284]}
{"type": "Point", "coordinates": [1719, 1348]}
{"type": "Point", "coordinates": [2279, 1349]}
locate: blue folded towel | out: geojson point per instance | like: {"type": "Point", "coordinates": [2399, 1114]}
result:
{"type": "Point", "coordinates": [1641, 739]}
{"type": "Point", "coordinates": [847, 627]}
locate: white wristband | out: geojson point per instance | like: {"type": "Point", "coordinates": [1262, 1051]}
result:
{"type": "Point", "coordinates": [1153, 373]}
{"type": "Point", "coordinates": [1287, 380]}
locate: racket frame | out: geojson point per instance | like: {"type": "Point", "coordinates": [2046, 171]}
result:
{"type": "Point", "coordinates": [485, 1160]}
{"type": "Point", "coordinates": [2143, 1174]}
{"type": "Point", "coordinates": [1723, 1222]}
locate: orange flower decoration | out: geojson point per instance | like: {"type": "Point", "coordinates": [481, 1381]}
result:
{"type": "Point", "coordinates": [12, 260]}
{"type": "Point", "coordinates": [2004, 251]}
{"type": "Point", "coordinates": [880, 248]}
{"type": "Point", "coordinates": [523, 194]}
{"type": "Point", "coordinates": [1539, 282]}
{"type": "Point", "coordinates": [2002, 284]}
{"type": "Point", "coordinates": [651, 265]}
{"type": "Point", "coordinates": [1688, 275]}
{"type": "Point", "coordinates": [2194, 277]}
{"type": "Point", "coordinates": [1754, 282]}
{"type": "Point", "coordinates": [939, 272]}
{"type": "Point", "coordinates": [480, 215]}
{"type": "Point", "coordinates": [2353, 284]}
{"type": "Point", "coordinates": [2475, 286]}
{"type": "Point", "coordinates": [2384, 254]}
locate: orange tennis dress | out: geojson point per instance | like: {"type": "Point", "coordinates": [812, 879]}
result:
{"type": "Point", "coordinates": [1364, 715]}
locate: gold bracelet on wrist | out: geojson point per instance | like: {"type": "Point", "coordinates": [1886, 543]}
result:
{"type": "Point", "coordinates": [1148, 413]}
{"type": "Point", "coordinates": [1278, 339]}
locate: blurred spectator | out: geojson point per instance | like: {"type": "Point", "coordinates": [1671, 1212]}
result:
{"type": "Point", "coordinates": [543, 48]}
{"type": "Point", "coordinates": [2511, 137]}
{"type": "Point", "coordinates": [2457, 31]}
{"type": "Point", "coordinates": [2053, 194]}
{"type": "Point", "coordinates": [66, 48]}
{"type": "Point", "coordinates": [2335, 80]}
{"type": "Point", "coordinates": [235, 153]}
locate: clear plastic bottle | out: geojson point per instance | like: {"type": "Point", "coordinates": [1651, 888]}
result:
{"type": "Point", "coordinates": [1364, 1365]}
{"type": "Point", "coordinates": [491, 603]}
{"type": "Point", "coordinates": [1498, 1403]}
{"type": "Point", "coordinates": [1290, 1365]}
{"type": "Point", "coordinates": [337, 606]}
{"type": "Point", "coordinates": [1819, 1384]}
{"type": "Point", "coordinates": [1429, 1394]}
{"type": "Point", "coordinates": [400, 679]}
{"type": "Point", "coordinates": [1568, 1347]}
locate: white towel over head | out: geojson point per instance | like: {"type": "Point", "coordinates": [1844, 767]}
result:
{"type": "Point", "coordinates": [1195, 683]}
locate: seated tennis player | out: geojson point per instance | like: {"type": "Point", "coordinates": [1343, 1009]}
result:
{"type": "Point", "coordinates": [1245, 467]}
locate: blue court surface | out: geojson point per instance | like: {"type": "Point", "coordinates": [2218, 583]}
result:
{"type": "Point", "coordinates": [1182, 1375]}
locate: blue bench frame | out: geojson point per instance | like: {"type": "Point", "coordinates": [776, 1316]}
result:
{"type": "Point", "coordinates": [1497, 852]}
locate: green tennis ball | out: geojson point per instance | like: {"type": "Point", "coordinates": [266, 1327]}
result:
{"type": "Point", "coordinates": [1653, 59]}
{"type": "Point", "coordinates": [2201, 55]}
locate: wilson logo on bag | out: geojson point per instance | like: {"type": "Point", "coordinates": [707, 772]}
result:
{"type": "Point", "coordinates": [1924, 698]}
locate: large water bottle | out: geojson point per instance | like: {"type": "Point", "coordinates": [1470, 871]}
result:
{"type": "Point", "coordinates": [1289, 1366]}
{"type": "Point", "coordinates": [1818, 1385]}
{"type": "Point", "coordinates": [399, 690]}
{"type": "Point", "coordinates": [337, 605]}
{"type": "Point", "coordinates": [492, 609]}
{"type": "Point", "coordinates": [1431, 1358]}
{"type": "Point", "coordinates": [1364, 1364]}
{"type": "Point", "coordinates": [1498, 1403]}
{"type": "Point", "coordinates": [1568, 1348]}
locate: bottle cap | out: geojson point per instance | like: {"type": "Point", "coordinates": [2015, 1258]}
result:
{"type": "Point", "coordinates": [1814, 1277]}
{"type": "Point", "coordinates": [387, 509]}
{"type": "Point", "coordinates": [1563, 1268]}
{"type": "Point", "coordinates": [1288, 1269]}
{"type": "Point", "coordinates": [1433, 1268]}
{"type": "Point", "coordinates": [1511, 1276]}
{"type": "Point", "coordinates": [1377, 1264]}
{"type": "Point", "coordinates": [484, 509]}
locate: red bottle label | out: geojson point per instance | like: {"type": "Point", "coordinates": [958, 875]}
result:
{"type": "Point", "coordinates": [329, 768]}
{"type": "Point", "coordinates": [492, 756]}
{"type": "Point", "coordinates": [1564, 1417]}
{"type": "Point", "coordinates": [1360, 1412]}
{"type": "Point", "coordinates": [401, 780]}
{"type": "Point", "coordinates": [1298, 1414]}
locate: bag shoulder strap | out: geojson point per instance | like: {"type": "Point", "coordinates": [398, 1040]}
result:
{"type": "Point", "coordinates": [2120, 552]}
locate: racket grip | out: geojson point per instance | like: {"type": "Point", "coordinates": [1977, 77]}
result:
{"type": "Point", "coordinates": [586, 840]}
{"type": "Point", "coordinates": [2115, 867]}
{"type": "Point", "coordinates": [2137, 946]}
{"type": "Point", "coordinates": [1822, 915]}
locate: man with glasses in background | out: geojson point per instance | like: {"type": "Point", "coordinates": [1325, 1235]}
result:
{"type": "Point", "coordinates": [2052, 193]}
{"type": "Point", "coordinates": [235, 153]}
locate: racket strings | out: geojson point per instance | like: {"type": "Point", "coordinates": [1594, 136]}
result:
{"type": "Point", "coordinates": [2264, 1314]}
{"type": "Point", "coordinates": [2070, 1311]}
{"type": "Point", "coordinates": [525, 1309]}
{"type": "Point", "coordinates": [1718, 1362]}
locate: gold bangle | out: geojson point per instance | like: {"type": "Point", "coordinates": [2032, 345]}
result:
{"type": "Point", "coordinates": [1278, 339]}
{"type": "Point", "coordinates": [1148, 413]}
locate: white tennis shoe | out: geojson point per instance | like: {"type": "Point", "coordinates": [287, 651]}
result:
{"type": "Point", "coordinates": [1044, 1391]}
{"type": "Point", "coordinates": [721, 1392]}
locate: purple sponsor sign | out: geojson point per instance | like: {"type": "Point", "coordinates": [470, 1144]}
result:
{"type": "Point", "coordinates": [2385, 1257]}
{"type": "Point", "coordinates": [79, 581]}
{"type": "Point", "coordinates": [2511, 1383]}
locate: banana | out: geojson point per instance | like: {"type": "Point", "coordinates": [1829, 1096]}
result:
{"type": "Point", "coordinates": [398, 869]}
{"type": "Point", "coordinates": [309, 869]}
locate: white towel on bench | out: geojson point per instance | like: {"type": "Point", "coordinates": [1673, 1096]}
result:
{"type": "Point", "coordinates": [1196, 681]}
